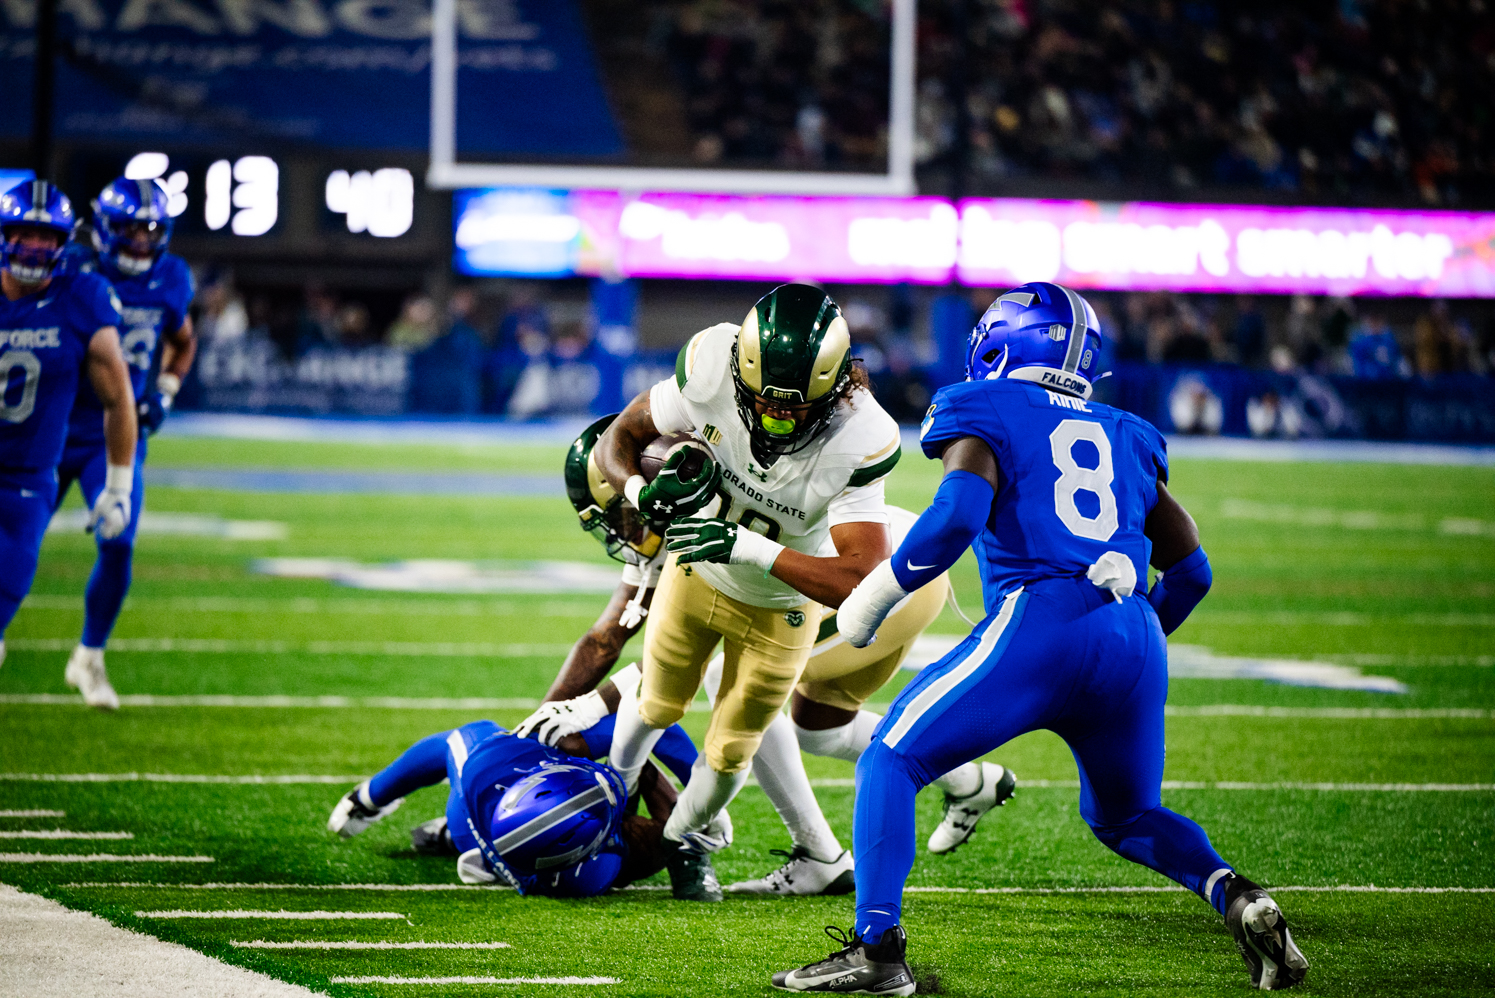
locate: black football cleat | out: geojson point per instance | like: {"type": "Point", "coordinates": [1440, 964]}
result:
{"type": "Point", "coordinates": [1262, 936]}
{"type": "Point", "coordinates": [433, 838]}
{"type": "Point", "coordinates": [856, 969]}
{"type": "Point", "coordinates": [693, 878]}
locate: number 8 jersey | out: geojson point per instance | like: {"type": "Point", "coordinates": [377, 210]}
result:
{"type": "Point", "coordinates": [44, 339]}
{"type": "Point", "coordinates": [1078, 479]}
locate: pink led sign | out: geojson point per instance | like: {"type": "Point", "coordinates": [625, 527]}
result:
{"type": "Point", "coordinates": [998, 242]}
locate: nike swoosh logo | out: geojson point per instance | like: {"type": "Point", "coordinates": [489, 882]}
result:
{"type": "Point", "coordinates": [917, 568]}
{"type": "Point", "coordinates": [44, 303]}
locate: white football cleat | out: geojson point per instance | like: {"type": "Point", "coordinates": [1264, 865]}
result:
{"type": "Point", "coordinates": [961, 813]}
{"type": "Point", "coordinates": [352, 816]}
{"type": "Point", "coordinates": [803, 874]}
{"type": "Point", "coordinates": [85, 673]}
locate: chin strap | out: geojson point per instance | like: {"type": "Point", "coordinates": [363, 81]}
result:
{"type": "Point", "coordinates": [634, 611]}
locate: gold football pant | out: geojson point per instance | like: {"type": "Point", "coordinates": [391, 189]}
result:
{"type": "Point", "coordinates": [842, 676]}
{"type": "Point", "coordinates": [764, 652]}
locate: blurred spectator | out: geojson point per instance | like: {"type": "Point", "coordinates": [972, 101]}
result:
{"type": "Point", "coordinates": [1374, 350]}
{"type": "Point", "coordinates": [416, 326]}
{"type": "Point", "coordinates": [446, 376]}
{"type": "Point", "coordinates": [316, 326]}
{"type": "Point", "coordinates": [1250, 333]}
{"type": "Point", "coordinates": [352, 325]}
{"type": "Point", "coordinates": [523, 341]}
{"type": "Point", "coordinates": [1435, 343]}
{"type": "Point", "coordinates": [1336, 337]}
{"type": "Point", "coordinates": [221, 316]}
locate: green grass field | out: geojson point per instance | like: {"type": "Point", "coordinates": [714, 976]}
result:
{"type": "Point", "coordinates": [1388, 569]}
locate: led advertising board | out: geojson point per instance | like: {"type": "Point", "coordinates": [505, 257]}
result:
{"type": "Point", "coordinates": [1088, 244]}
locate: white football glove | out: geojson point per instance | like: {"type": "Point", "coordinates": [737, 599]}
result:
{"type": "Point", "coordinates": [862, 612]}
{"type": "Point", "coordinates": [715, 837]}
{"type": "Point", "coordinates": [559, 718]}
{"type": "Point", "coordinates": [111, 510]}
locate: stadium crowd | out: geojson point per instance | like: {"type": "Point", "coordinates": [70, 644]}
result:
{"type": "Point", "coordinates": [1359, 100]}
{"type": "Point", "coordinates": [524, 349]}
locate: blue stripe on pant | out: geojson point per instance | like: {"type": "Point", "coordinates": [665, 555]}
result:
{"type": "Point", "coordinates": [1059, 654]}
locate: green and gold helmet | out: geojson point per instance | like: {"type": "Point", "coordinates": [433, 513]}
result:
{"type": "Point", "coordinates": [793, 354]}
{"type": "Point", "coordinates": [603, 511]}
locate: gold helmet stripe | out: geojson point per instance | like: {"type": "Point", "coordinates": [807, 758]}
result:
{"type": "Point", "coordinates": [749, 352]}
{"type": "Point", "coordinates": [834, 347]}
{"type": "Point", "coordinates": [602, 491]}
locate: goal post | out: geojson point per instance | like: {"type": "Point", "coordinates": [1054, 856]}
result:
{"type": "Point", "coordinates": [447, 173]}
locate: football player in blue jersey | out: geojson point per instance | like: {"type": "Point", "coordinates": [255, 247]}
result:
{"type": "Point", "coordinates": [546, 820]}
{"type": "Point", "coordinates": [1064, 502]}
{"type": "Point", "coordinates": [131, 230]}
{"type": "Point", "coordinates": [55, 327]}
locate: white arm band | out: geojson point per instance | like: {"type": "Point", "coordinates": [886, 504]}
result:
{"type": "Point", "coordinates": [632, 488]}
{"type": "Point", "coordinates": [752, 548]}
{"type": "Point", "coordinates": [120, 478]}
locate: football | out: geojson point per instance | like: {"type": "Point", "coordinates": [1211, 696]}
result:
{"type": "Point", "coordinates": [661, 448]}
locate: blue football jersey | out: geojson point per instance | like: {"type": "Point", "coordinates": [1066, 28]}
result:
{"type": "Point", "coordinates": [1078, 479]}
{"type": "Point", "coordinates": [44, 341]}
{"type": "Point", "coordinates": [153, 304]}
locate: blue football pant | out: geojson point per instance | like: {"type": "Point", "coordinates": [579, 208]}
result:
{"type": "Point", "coordinates": [24, 515]}
{"type": "Point", "coordinates": [112, 569]}
{"type": "Point", "coordinates": [1061, 655]}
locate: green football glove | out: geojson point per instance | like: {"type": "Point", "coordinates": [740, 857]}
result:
{"type": "Point", "coordinates": [670, 497]}
{"type": "Point", "coordinates": [702, 539]}
{"type": "Point", "coordinates": [722, 542]}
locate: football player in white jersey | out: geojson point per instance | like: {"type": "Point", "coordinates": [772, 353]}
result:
{"type": "Point", "coordinates": [801, 449]}
{"type": "Point", "coordinates": [825, 717]}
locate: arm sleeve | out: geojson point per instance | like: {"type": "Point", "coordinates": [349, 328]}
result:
{"type": "Point", "coordinates": [863, 503]}
{"type": "Point", "coordinates": [1178, 590]}
{"type": "Point", "coordinates": [941, 535]}
{"type": "Point", "coordinates": [667, 406]}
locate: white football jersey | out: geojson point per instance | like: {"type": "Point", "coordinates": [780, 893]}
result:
{"type": "Point", "coordinates": [837, 478]}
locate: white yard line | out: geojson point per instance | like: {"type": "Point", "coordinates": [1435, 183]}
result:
{"type": "Point", "coordinates": [47, 951]}
{"type": "Point", "coordinates": [63, 833]}
{"type": "Point", "coordinates": [215, 646]}
{"type": "Point", "coordinates": [277, 702]}
{"type": "Point", "coordinates": [530, 703]}
{"type": "Point", "coordinates": [33, 813]}
{"type": "Point", "coordinates": [291, 887]}
{"type": "Point", "coordinates": [173, 778]}
{"type": "Point", "coordinates": [1334, 889]}
{"type": "Point", "coordinates": [97, 857]}
{"type": "Point", "coordinates": [353, 944]}
{"type": "Point", "coordinates": [437, 606]}
{"type": "Point", "coordinates": [475, 980]}
{"type": "Point", "coordinates": [293, 916]}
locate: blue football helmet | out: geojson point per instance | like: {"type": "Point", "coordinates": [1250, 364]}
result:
{"type": "Point", "coordinates": [557, 815]}
{"type": "Point", "coordinates": [124, 212]}
{"type": "Point", "coordinates": [39, 205]}
{"type": "Point", "coordinates": [1039, 332]}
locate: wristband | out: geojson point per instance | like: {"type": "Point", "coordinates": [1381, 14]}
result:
{"type": "Point", "coordinates": [120, 478]}
{"type": "Point", "coordinates": [627, 678]}
{"type": "Point", "coordinates": [632, 488]}
{"type": "Point", "coordinates": [752, 548]}
{"type": "Point", "coordinates": [168, 385]}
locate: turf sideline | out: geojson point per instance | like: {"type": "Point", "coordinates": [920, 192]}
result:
{"type": "Point", "coordinates": [48, 951]}
{"type": "Point", "coordinates": [354, 944]}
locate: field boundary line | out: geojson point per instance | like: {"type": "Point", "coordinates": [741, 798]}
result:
{"type": "Point", "coordinates": [62, 833]}
{"type": "Point", "coordinates": [282, 914]}
{"type": "Point", "coordinates": [372, 979]}
{"type": "Point", "coordinates": [32, 813]}
{"type": "Point", "coordinates": [354, 944]}
{"type": "Point", "coordinates": [97, 857]}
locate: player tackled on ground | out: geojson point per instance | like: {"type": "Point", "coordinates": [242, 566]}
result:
{"type": "Point", "coordinates": [800, 450]}
{"type": "Point", "coordinates": [55, 326]}
{"type": "Point", "coordinates": [131, 228]}
{"type": "Point", "coordinates": [1063, 501]}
